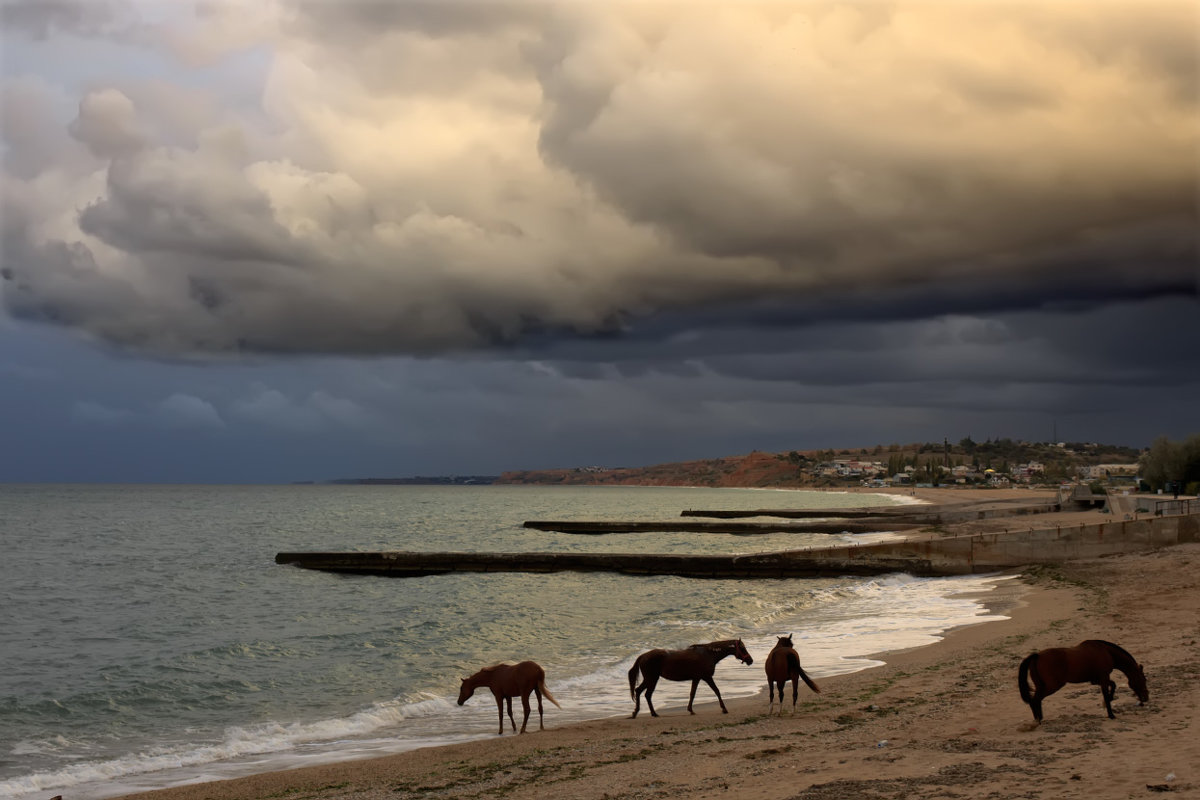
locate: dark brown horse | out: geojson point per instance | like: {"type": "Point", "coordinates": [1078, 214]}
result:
{"type": "Point", "coordinates": [695, 664]}
{"type": "Point", "coordinates": [783, 665]}
{"type": "Point", "coordinates": [506, 682]}
{"type": "Point", "coordinates": [1091, 661]}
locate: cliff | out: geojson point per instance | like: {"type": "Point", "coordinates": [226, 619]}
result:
{"type": "Point", "coordinates": [755, 469]}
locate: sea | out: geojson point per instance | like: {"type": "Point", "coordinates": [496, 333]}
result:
{"type": "Point", "coordinates": [148, 639]}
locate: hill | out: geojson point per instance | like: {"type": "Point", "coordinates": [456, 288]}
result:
{"type": "Point", "coordinates": [929, 462]}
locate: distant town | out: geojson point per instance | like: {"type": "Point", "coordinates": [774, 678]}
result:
{"type": "Point", "coordinates": [994, 462]}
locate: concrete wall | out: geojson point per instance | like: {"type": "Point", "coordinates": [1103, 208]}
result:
{"type": "Point", "coordinates": [988, 552]}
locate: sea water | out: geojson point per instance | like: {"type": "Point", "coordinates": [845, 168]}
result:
{"type": "Point", "coordinates": [148, 639]}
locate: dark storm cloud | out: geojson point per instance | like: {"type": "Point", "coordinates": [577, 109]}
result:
{"type": "Point", "coordinates": [428, 178]}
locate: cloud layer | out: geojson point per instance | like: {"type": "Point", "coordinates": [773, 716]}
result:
{"type": "Point", "coordinates": [421, 178]}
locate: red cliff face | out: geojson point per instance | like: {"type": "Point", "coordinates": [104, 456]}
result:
{"type": "Point", "coordinates": [754, 469]}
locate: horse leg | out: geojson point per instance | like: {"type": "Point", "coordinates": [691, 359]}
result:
{"type": "Point", "coordinates": [510, 716]}
{"type": "Point", "coordinates": [538, 693]}
{"type": "Point", "coordinates": [795, 692]}
{"type": "Point", "coordinates": [717, 692]}
{"type": "Point", "coordinates": [771, 696]}
{"type": "Point", "coordinates": [525, 706]}
{"type": "Point", "coordinates": [648, 685]}
{"type": "Point", "coordinates": [1042, 689]}
{"type": "Point", "coordinates": [1108, 690]}
{"type": "Point", "coordinates": [1035, 704]}
{"type": "Point", "coordinates": [500, 711]}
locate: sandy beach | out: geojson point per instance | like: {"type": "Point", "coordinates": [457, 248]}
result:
{"type": "Point", "coordinates": [939, 721]}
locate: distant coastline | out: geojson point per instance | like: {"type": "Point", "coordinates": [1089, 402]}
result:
{"type": "Point", "coordinates": [419, 480]}
{"type": "Point", "coordinates": [999, 463]}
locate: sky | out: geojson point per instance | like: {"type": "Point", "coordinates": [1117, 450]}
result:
{"type": "Point", "coordinates": [304, 240]}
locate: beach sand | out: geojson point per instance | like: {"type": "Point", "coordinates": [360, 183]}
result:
{"type": "Point", "coordinates": [939, 721]}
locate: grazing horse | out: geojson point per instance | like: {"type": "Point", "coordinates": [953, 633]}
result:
{"type": "Point", "coordinates": [1087, 662]}
{"type": "Point", "coordinates": [783, 665]}
{"type": "Point", "coordinates": [506, 682]}
{"type": "Point", "coordinates": [695, 664]}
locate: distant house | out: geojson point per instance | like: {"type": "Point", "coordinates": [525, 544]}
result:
{"type": "Point", "coordinates": [1119, 474]}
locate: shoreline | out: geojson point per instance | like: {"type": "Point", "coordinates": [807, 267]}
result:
{"type": "Point", "coordinates": [579, 759]}
{"type": "Point", "coordinates": [978, 599]}
{"type": "Point", "coordinates": [1007, 593]}
{"type": "Point", "coordinates": [945, 716]}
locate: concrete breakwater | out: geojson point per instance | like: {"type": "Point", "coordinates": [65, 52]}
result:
{"type": "Point", "coordinates": [945, 514]}
{"type": "Point", "coordinates": [825, 520]}
{"type": "Point", "coordinates": [929, 553]}
{"type": "Point", "coordinates": [788, 564]}
{"type": "Point", "coordinates": [604, 527]}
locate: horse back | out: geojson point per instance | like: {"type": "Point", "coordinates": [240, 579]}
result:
{"type": "Point", "coordinates": [1087, 662]}
{"type": "Point", "coordinates": [686, 665]}
{"type": "Point", "coordinates": [782, 663]}
{"type": "Point", "coordinates": [511, 680]}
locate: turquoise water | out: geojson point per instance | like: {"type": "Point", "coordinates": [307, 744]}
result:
{"type": "Point", "coordinates": [149, 638]}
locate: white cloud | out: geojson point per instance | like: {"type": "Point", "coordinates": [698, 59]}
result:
{"type": "Point", "coordinates": [318, 412]}
{"type": "Point", "coordinates": [188, 411]}
{"type": "Point", "coordinates": [423, 178]}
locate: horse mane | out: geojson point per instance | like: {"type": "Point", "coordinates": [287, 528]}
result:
{"type": "Point", "coordinates": [1119, 649]}
{"type": "Point", "coordinates": [493, 668]}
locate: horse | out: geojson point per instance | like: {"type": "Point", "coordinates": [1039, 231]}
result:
{"type": "Point", "coordinates": [506, 682]}
{"type": "Point", "coordinates": [695, 663]}
{"type": "Point", "coordinates": [783, 665]}
{"type": "Point", "coordinates": [1090, 661]}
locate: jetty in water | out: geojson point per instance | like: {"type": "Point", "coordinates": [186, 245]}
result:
{"type": "Point", "coordinates": [604, 527]}
{"type": "Point", "coordinates": [791, 564]}
{"type": "Point", "coordinates": [937, 550]}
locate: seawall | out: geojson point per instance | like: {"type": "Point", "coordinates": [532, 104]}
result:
{"type": "Point", "coordinates": [1021, 546]}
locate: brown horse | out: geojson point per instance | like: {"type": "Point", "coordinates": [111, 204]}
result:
{"type": "Point", "coordinates": [506, 682]}
{"type": "Point", "coordinates": [1091, 661]}
{"type": "Point", "coordinates": [783, 665]}
{"type": "Point", "coordinates": [696, 663]}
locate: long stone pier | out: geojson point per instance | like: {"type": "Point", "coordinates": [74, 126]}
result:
{"type": "Point", "coordinates": [789, 564]}
{"type": "Point", "coordinates": [604, 527]}
{"type": "Point", "coordinates": [944, 514]}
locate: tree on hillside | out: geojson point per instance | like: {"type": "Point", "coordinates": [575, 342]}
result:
{"type": "Point", "coordinates": [1172, 461]}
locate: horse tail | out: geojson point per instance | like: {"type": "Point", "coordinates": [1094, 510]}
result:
{"type": "Point", "coordinates": [546, 692]}
{"type": "Point", "coordinates": [633, 671]}
{"type": "Point", "coordinates": [794, 668]}
{"type": "Point", "coordinates": [1029, 663]}
{"type": "Point", "coordinates": [809, 681]}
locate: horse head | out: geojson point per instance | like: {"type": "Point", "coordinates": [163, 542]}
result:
{"type": "Point", "coordinates": [741, 653]}
{"type": "Point", "coordinates": [465, 692]}
{"type": "Point", "coordinates": [1137, 682]}
{"type": "Point", "coordinates": [784, 641]}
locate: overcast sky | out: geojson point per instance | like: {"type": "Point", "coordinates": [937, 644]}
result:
{"type": "Point", "coordinates": [283, 240]}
